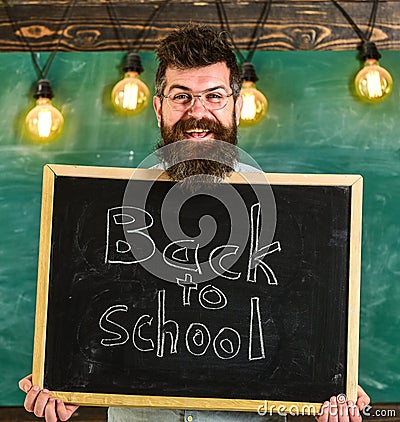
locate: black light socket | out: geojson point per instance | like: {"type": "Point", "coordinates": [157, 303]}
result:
{"type": "Point", "coordinates": [44, 89]}
{"type": "Point", "coordinates": [133, 63]}
{"type": "Point", "coordinates": [369, 51]}
{"type": "Point", "coordinates": [249, 72]}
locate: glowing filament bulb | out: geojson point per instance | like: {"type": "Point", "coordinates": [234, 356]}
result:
{"type": "Point", "coordinates": [249, 106]}
{"type": "Point", "coordinates": [44, 122]}
{"type": "Point", "coordinates": [373, 83]}
{"type": "Point", "coordinates": [130, 97]}
{"type": "Point", "coordinates": [255, 104]}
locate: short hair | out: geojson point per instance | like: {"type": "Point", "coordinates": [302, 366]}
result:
{"type": "Point", "coordinates": [193, 46]}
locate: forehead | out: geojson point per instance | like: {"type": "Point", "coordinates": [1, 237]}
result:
{"type": "Point", "coordinates": [199, 78]}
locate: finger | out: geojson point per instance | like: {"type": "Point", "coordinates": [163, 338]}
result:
{"type": "Point", "coordinates": [333, 410]}
{"type": "Point", "coordinates": [64, 411]}
{"type": "Point", "coordinates": [40, 403]}
{"type": "Point", "coordinates": [362, 398]}
{"type": "Point", "coordinates": [323, 413]}
{"type": "Point", "coordinates": [25, 384]}
{"type": "Point", "coordinates": [30, 398]}
{"type": "Point", "coordinates": [343, 414]}
{"type": "Point", "coordinates": [50, 411]}
{"type": "Point", "coordinates": [354, 412]}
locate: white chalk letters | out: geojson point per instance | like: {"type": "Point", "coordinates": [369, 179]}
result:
{"type": "Point", "coordinates": [226, 343]}
{"type": "Point", "coordinates": [128, 242]}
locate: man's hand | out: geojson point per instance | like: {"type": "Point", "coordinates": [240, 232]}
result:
{"type": "Point", "coordinates": [337, 409]}
{"type": "Point", "coordinates": [362, 398]}
{"type": "Point", "coordinates": [42, 405]}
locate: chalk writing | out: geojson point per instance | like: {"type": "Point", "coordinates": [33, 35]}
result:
{"type": "Point", "coordinates": [138, 244]}
{"type": "Point", "coordinates": [207, 300]}
{"type": "Point", "coordinates": [187, 285]}
{"type": "Point", "coordinates": [181, 254]}
{"type": "Point", "coordinates": [137, 337]}
{"type": "Point", "coordinates": [226, 343]}
{"type": "Point", "coordinates": [191, 264]}
{"type": "Point", "coordinates": [220, 270]}
{"type": "Point", "coordinates": [256, 255]}
{"type": "Point", "coordinates": [128, 242]}
{"type": "Point", "coordinates": [198, 338]}
{"type": "Point", "coordinates": [165, 327]}
{"type": "Point", "coordinates": [122, 336]}
{"type": "Point", "coordinates": [255, 303]}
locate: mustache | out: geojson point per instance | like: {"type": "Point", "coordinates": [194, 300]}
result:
{"type": "Point", "coordinates": [182, 126]}
{"type": "Point", "coordinates": [200, 124]}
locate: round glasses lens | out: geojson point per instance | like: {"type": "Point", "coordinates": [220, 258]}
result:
{"type": "Point", "coordinates": [213, 100]}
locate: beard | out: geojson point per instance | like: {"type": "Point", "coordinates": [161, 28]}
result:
{"type": "Point", "coordinates": [213, 159]}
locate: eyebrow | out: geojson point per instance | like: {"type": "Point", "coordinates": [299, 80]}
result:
{"type": "Point", "coordinates": [185, 88]}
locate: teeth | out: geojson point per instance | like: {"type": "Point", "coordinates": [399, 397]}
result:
{"type": "Point", "coordinates": [197, 130]}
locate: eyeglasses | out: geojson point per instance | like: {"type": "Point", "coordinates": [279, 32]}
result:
{"type": "Point", "coordinates": [211, 100]}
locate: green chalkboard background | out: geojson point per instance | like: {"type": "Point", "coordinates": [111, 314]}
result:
{"type": "Point", "coordinates": [314, 125]}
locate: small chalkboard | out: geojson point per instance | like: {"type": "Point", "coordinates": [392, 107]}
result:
{"type": "Point", "coordinates": [241, 295]}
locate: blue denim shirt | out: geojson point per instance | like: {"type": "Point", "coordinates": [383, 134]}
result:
{"type": "Point", "coordinates": [119, 414]}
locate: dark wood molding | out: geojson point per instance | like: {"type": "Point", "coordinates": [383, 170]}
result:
{"type": "Point", "coordinates": [83, 414]}
{"type": "Point", "coordinates": [291, 24]}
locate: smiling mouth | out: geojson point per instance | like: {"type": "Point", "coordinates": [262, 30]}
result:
{"type": "Point", "coordinates": [198, 134]}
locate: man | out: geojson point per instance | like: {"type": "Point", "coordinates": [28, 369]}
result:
{"type": "Point", "coordinates": [197, 98]}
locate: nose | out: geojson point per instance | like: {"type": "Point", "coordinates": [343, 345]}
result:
{"type": "Point", "coordinates": [197, 108]}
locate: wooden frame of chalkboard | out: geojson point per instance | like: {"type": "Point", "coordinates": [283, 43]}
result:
{"type": "Point", "coordinates": [336, 304]}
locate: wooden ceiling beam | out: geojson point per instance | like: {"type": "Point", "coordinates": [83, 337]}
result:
{"type": "Point", "coordinates": [291, 24]}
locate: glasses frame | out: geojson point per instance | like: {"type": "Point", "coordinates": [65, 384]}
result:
{"type": "Point", "coordinates": [194, 96]}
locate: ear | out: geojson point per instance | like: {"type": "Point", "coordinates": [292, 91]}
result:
{"type": "Point", "coordinates": [238, 108]}
{"type": "Point", "coordinates": [157, 109]}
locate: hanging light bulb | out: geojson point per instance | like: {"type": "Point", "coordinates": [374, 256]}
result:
{"type": "Point", "coordinates": [373, 83]}
{"type": "Point", "coordinates": [130, 95]}
{"type": "Point", "coordinates": [44, 122]}
{"type": "Point", "coordinates": [255, 104]}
